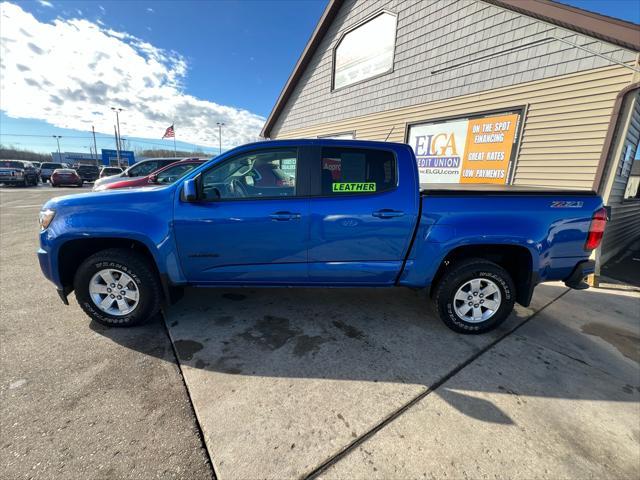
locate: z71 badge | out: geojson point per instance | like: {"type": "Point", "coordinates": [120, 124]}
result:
{"type": "Point", "coordinates": [566, 204]}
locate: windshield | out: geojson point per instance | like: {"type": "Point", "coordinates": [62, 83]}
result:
{"type": "Point", "coordinates": [11, 164]}
{"type": "Point", "coordinates": [51, 165]}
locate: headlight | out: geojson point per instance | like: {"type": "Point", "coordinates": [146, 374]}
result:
{"type": "Point", "coordinates": [46, 216]}
{"type": "Point", "coordinates": [99, 188]}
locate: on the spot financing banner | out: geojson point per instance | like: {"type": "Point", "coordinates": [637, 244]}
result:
{"type": "Point", "coordinates": [474, 150]}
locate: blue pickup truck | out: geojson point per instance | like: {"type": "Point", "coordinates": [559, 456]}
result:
{"type": "Point", "coordinates": [334, 213]}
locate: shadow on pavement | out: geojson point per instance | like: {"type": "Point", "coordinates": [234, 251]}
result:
{"type": "Point", "coordinates": [370, 335]}
{"type": "Point", "coordinates": [282, 380]}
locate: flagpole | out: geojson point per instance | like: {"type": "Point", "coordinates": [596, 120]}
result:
{"type": "Point", "coordinates": [174, 141]}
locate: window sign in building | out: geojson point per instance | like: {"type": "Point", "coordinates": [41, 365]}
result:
{"type": "Point", "coordinates": [466, 150]}
{"type": "Point", "coordinates": [365, 51]}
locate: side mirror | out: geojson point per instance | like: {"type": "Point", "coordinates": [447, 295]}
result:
{"type": "Point", "coordinates": [190, 190]}
{"type": "Point", "coordinates": [153, 178]}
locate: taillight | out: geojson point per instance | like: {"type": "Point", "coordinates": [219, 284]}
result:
{"type": "Point", "coordinates": [596, 229]}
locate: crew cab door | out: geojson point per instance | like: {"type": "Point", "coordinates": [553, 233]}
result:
{"type": "Point", "coordinates": [363, 211]}
{"type": "Point", "coordinates": [251, 224]}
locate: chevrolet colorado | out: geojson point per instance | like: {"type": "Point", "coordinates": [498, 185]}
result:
{"type": "Point", "coordinates": [351, 213]}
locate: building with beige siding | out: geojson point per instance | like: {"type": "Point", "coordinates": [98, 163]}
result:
{"type": "Point", "coordinates": [523, 92]}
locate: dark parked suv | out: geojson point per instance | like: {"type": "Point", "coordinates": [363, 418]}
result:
{"type": "Point", "coordinates": [88, 173]}
{"type": "Point", "coordinates": [18, 172]}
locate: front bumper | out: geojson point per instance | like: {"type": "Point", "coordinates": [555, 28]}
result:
{"type": "Point", "coordinates": [12, 180]}
{"type": "Point", "coordinates": [581, 270]}
{"type": "Point", "coordinates": [46, 265]}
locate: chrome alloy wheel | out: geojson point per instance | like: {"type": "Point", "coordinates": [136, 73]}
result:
{"type": "Point", "coordinates": [114, 292]}
{"type": "Point", "coordinates": [477, 300]}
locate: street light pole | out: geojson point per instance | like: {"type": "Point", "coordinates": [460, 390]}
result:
{"type": "Point", "coordinates": [118, 110]}
{"type": "Point", "coordinates": [115, 131]}
{"type": "Point", "coordinates": [118, 137]}
{"type": "Point", "coordinates": [220, 125]}
{"type": "Point", "coordinates": [58, 137]}
{"type": "Point", "coordinates": [95, 147]}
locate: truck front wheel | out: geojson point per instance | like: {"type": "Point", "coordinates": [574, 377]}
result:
{"type": "Point", "coordinates": [475, 296]}
{"type": "Point", "coordinates": [117, 288]}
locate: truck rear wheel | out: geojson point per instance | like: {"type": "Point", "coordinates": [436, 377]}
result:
{"type": "Point", "coordinates": [475, 296]}
{"type": "Point", "coordinates": [117, 288]}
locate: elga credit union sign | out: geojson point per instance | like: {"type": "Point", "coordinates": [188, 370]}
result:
{"type": "Point", "coordinates": [470, 150]}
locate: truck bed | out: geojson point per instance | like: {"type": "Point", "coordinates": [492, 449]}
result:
{"type": "Point", "coordinates": [457, 189]}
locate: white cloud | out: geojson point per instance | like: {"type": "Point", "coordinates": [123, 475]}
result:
{"type": "Point", "coordinates": [150, 10]}
{"type": "Point", "coordinates": [69, 72]}
{"type": "Point", "coordinates": [44, 3]}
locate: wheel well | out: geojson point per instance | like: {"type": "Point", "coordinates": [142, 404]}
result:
{"type": "Point", "coordinates": [74, 252]}
{"type": "Point", "coordinates": [513, 258]}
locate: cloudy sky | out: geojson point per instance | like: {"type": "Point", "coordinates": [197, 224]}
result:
{"type": "Point", "coordinates": [63, 64]}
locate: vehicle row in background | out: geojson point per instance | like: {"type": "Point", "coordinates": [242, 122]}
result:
{"type": "Point", "coordinates": [154, 171]}
{"type": "Point", "coordinates": [140, 170]}
{"type": "Point", "coordinates": [164, 176]}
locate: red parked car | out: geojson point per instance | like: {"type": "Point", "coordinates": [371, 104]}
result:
{"type": "Point", "coordinates": [163, 176]}
{"type": "Point", "coordinates": [65, 176]}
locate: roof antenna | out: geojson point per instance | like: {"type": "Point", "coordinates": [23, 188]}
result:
{"type": "Point", "coordinates": [390, 132]}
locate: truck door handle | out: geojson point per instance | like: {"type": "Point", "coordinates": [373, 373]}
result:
{"type": "Point", "coordinates": [387, 213]}
{"type": "Point", "coordinates": [284, 216]}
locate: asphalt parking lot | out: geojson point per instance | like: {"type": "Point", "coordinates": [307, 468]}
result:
{"type": "Point", "coordinates": [297, 383]}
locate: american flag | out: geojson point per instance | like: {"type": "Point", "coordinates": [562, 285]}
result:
{"type": "Point", "coordinates": [169, 133]}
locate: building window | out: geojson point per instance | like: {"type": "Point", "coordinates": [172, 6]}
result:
{"type": "Point", "coordinates": [366, 51]}
{"type": "Point", "coordinates": [632, 190]}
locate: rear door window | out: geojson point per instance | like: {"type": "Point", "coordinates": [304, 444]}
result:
{"type": "Point", "coordinates": [357, 171]}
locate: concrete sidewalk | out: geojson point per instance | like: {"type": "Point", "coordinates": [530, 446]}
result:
{"type": "Point", "coordinates": [283, 381]}
{"type": "Point", "coordinates": [558, 399]}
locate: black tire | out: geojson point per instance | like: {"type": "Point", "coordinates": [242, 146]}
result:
{"type": "Point", "coordinates": [133, 264]}
{"type": "Point", "coordinates": [458, 275]}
